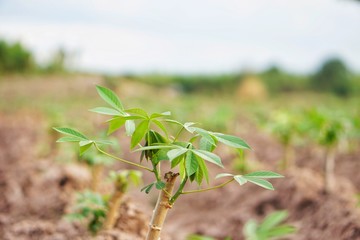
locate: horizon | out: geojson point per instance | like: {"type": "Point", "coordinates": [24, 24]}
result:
{"type": "Point", "coordinates": [203, 37]}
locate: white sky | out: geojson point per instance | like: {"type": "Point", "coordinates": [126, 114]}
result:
{"type": "Point", "coordinates": [188, 36]}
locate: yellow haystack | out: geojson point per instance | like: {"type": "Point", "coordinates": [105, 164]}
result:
{"type": "Point", "coordinates": [251, 88]}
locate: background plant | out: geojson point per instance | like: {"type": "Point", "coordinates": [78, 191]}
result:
{"type": "Point", "coordinates": [121, 180]}
{"type": "Point", "coordinates": [327, 131]}
{"type": "Point", "coordinates": [96, 163]}
{"type": "Point", "coordinates": [101, 211]}
{"type": "Point", "coordinates": [285, 126]}
{"type": "Point", "coordinates": [90, 207]}
{"type": "Point", "coordinates": [270, 228]}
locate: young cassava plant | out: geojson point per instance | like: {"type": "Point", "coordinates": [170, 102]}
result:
{"type": "Point", "coordinates": [270, 228]}
{"type": "Point", "coordinates": [187, 147]}
{"type": "Point", "coordinates": [284, 126]}
{"type": "Point", "coordinates": [121, 182]}
{"type": "Point", "coordinates": [90, 207]}
{"type": "Point", "coordinates": [327, 130]}
{"type": "Point", "coordinates": [96, 163]}
{"type": "Point", "coordinates": [100, 211]}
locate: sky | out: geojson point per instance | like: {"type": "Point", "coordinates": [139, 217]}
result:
{"type": "Point", "coordinates": [188, 36]}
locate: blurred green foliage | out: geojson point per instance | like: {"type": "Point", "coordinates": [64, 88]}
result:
{"type": "Point", "coordinates": [277, 80]}
{"type": "Point", "coordinates": [270, 228]}
{"type": "Point", "coordinates": [327, 128]}
{"type": "Point", "coordinates": [15, 58]}
{"type": "Point", "coordinates": [333, 76]}
{"type": "Point", "coordinates": [193, 83]}
{"type": "Point", "coordinates": [90, 207]}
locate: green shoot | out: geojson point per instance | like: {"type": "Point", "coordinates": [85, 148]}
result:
{"type": "Point", "coordinates": [90, 207]}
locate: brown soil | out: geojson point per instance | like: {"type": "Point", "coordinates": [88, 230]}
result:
{"type": "Point", "coordinates": [35, 193]}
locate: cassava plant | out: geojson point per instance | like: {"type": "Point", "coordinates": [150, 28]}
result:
{"type": "Point", "coordinates": [327, 130]}
{"type": "Point", "coordinates": [90, 207]}
{"type": "Point", "coordinates": [284, 126]}
{"type": "Point", "coordinates": [121, 181]}
{"type": "Point", "coordinates": [187, 147]}
{"type": "Point", "coordinates": [270, 228]}
{"type": "Point", "coordinates": [101, 211]}
{"type": "Point", "coordinates": [96, 163]}
{"type": "Point", "coordinates": [240, 164]}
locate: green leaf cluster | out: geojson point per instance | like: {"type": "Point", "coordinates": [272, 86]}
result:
{"type": "Point", "coordinates": [90, 207]}
{"type": "Point", "coordinates": [159, 138]}
{"type": "Point", "coordinates": [326, 129]}
{"type": "Point", "coordinates": [74, 136]}
{"type": "Point", "coordinates": [284, 125]}
{"type": "Point", "coordinates": [269, 228]}
{"type": "Point", "coordinates": [122, 179]}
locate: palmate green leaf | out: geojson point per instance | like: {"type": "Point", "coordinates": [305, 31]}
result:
{"type": "Point", "coordinates": [272, 220]}
{"type": "Point", "coordinates": [191, 163]}
{"type": "Point", "coordinates": [209, 156]}
{"type": "Point", "coordinates": [264, 174]}
{"type": "Point", "coordinates": [203, 169]}
{"type": "Point", "coordinates": [174, 153]}
{"type": "Point", "coordinates": [106, 111]}
{"type": "Point", "coordinates": [139, 133]}
{"type": "Point", "coordinates": [231, 141]}
{"type": "Point", "coordinates": [71, 132]}
{"type": "Point", "coordinates": [260, 182]}
{"type": "Point", "coordinates": [115, 123]}
{"type": "Point", "coordinates": [110, 97]}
